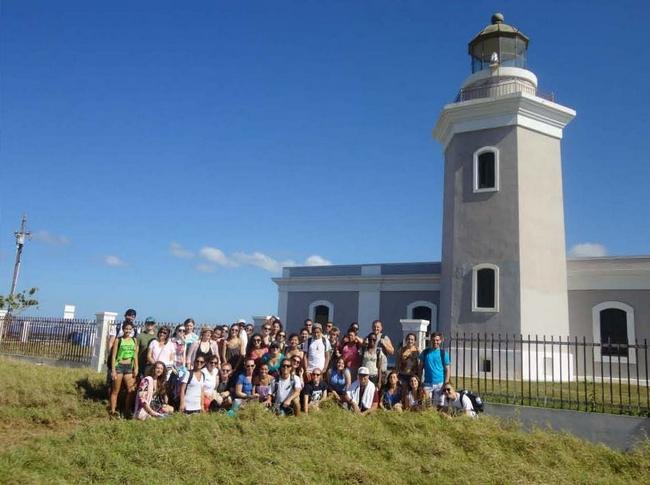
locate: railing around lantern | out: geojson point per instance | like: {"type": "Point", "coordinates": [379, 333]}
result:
{"type": "Point", "coordinates": [569, 373]}
{"type": "Point", "coordinates": [501, 89]}
{"type": "Point", "coordinates": [70, 340]}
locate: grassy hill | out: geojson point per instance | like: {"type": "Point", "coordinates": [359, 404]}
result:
{"type": "Point", "coordinates": [53, 428]}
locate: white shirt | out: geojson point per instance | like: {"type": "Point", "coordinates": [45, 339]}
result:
{"type": "Point", "coordinates": [283, 388]}
{"type": "Point", "coordinates": [368, 394]}
{"type": "Point", "coordinates": [163, 353]}
{"type": "Point", "coordinates": [316, 353]}
{"type": "Point", "coordinates": [193, 392]}
{"type": "Point", "coordinates": [211, 380]}
{"type": "Point", "coordinates": [464, 404]}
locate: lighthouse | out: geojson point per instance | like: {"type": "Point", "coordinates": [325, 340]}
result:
{"type": "Point", "coordinates": [503, 250]}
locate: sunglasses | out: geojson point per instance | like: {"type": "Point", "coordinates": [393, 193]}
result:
{"type": "Point", "coordinates": [213, 362]}
{"type": "Point", "coordinates": [282, 335]}
{"type": "Point", "coordinates": [200, 361]}
{"type": "Point", "coordinates": [314, 374]}
{"type": "Point", "coordinates": [257, 340]}
{"type": "Point", "coordinates": [287, 366]}
{"type": "Point", "coordinates": [447, 390]}
{"type": "Point", "coordinates": [250, 366]}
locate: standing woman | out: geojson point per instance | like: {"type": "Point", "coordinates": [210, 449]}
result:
{"type": "Point", "coordinates": [204, 347]}
{"type": "Point", "coordinates": [391, 394]}
{"type": "Point", "coordinates": [414, 395]}
{"type": "Point", "coordinates": [282, 340]}
{"type": "Point", "coordinates": [293, 348]}
{"type": "Point", "coordinates": [276, 328]}
{"type": "Point", "coordinates": [407, 363]}
{"type": "Point", "coordinates": [273, 359]}
{"type": "Point", "coordinates": [256, 349]}
{"type": "Point", "coordinates": [191, 390]}
{"type": "Point", "coordinates": [190, 336]}
{"type": "Point", "coordinates": [152, 398]}
{"type": "Point", "coordinates": [161, 349]}
{"type": "Point", "coordinates": [124, 360]}
{"type": "Point", "coordinates": [351, 352]}
{"type": "Point", "coordinates": [232, 351]}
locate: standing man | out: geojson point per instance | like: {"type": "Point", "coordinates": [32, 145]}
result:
{"type": "Point", "coordinates": [318, 351]}
{"type": "Point", "coordinates": [434, 362]}
{"type": "Point", "coordinates": [383, 341]}
{"type": "Point", "coordinates": [144, 338]}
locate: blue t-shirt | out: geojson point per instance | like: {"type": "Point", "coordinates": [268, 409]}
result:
{"type": "Point", "coordinates": [246, 384]}
{"type": "Point", "coordinates": [434, 372]}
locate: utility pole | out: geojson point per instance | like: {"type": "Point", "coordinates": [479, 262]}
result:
{"type": "Point", "coordinates": [21, 235]}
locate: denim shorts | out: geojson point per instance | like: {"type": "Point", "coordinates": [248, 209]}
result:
{"type": "Point", "coordinates": [123, 368]}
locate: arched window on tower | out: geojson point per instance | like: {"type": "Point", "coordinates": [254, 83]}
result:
{"type": "Point", "coordinates": [613, 328]}
{"type": "Point", "coordinates": [485, 288]}
{"type": "Point", "coordinates": [486, 169]}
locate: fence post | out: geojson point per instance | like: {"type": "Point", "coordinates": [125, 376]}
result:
{"type": "Point", "coordinates": [417, 327]}
{"type": "Point", "coordinates": [3, 314]}
{"type": "Point", "coordinates": [104, 321]}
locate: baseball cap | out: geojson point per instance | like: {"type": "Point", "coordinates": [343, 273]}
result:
{"type": "Point", "coordinates": [363, 371]}
{"type": "Point", "coordinates": [130, 312]}
{"type": "Point", "coordinates": [150, 321]}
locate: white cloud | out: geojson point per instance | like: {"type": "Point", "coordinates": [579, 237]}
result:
{"type": "Point", "coordinates": [216, 256]}
{"type": "Point", "coordinates": [316, 260]}
{"type": "Point", "coordinates": [588, 250]}
{"type": "Point", "coordinates": [263, 261]}
{"type": "Point", "coordinates": [49, 238]}
{"type": "Point", "coordinates": [180, 252]}
{"type": "Point", "coordinates": [205, 268]}
{"type": "Point", "coordinates": [114, 261]}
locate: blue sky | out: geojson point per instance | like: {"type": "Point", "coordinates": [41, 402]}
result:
{"type": "Point", "coordinates": [171, 157]}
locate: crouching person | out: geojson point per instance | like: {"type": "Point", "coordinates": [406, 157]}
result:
{"type": "Point", "coordinates": [314, 392]}
{"type": "Point", "coordinates": [151, 401]}
{"type": "Point", "coordinates": [285, 391]}
{"type": "Point", "coordinates": [455, 403]}
{"type": "Point", "coordinates": [361, 395]}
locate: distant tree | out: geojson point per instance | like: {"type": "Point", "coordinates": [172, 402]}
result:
{"type": "Point", "coordinates": [19, 301]}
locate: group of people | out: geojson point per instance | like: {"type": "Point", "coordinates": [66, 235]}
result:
{"type": "Point", "coordinates": [226, 367]}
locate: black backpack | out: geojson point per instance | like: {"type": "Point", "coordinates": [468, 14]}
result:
{"type": "Point", "coordinates": [477, 402]}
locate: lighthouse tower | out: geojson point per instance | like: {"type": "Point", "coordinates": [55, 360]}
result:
{"type": "Point", "coordinates": [503, 249]}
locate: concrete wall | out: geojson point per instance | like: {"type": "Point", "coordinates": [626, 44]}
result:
{"type": "Point", "coordinates": [393, 308]}
{"type": "Point", "coordinates": [346, 307]}
{"type": "Point", "coordinates": [620, 432]}
{"type": "Point", "coordinates": [582, 301]}
{"type": "Point", "coordinates": [542, 256]}
{"type": "Point", "coordinates": [480, 228]}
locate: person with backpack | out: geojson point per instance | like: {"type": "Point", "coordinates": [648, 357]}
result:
{"type": "Point", "coordinates": [457, 403]}
{"type": "Point", "coordinates": [373, 359]}
{"type": "Point", "coordinates": [285, 391]}
{"type": "Point", "coordinates": [191, 389]}
{"type": "Point", "coordinates": [115, 331]}
{"type": "Point", "coordinates": [124, 368]}
{"type": "Point", "coordinates": [317, 351]}
{"type": "Point", "coordinates": [433, 369]}
{"type": "Point", "coordinates": [351, 352]}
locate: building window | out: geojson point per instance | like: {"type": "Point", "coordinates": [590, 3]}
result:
{"type": "Point", "coordinates": [486, 170]}
{"type": "Point", "coordinates": [423, 310]}
{"type": "Point", "coordinates": [321, 311]}
{"type": "Point", "coordinates": [485, 288]}
{"type": "Point", "coordinates": [613, 328]}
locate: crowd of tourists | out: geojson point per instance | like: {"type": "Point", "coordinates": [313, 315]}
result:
{"type": "Point", "coordinates": [191, 370]}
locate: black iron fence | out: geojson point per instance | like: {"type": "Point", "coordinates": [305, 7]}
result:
{"type": "Point", "coordinates": [52, 338]}
{"type": "Point", "coordinates": [562, 372]}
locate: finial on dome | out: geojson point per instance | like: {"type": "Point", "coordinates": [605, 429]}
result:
{"type": "Point", "coordinates": [497, 18]}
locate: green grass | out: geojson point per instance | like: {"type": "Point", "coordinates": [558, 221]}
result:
{"type": "Point", "coordinates": [72, 441]}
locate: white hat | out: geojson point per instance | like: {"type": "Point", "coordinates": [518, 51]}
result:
{"type": "Point", "coordinates": [363, 371]}
{"type": "Point", "coordinates": [241, 320]}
